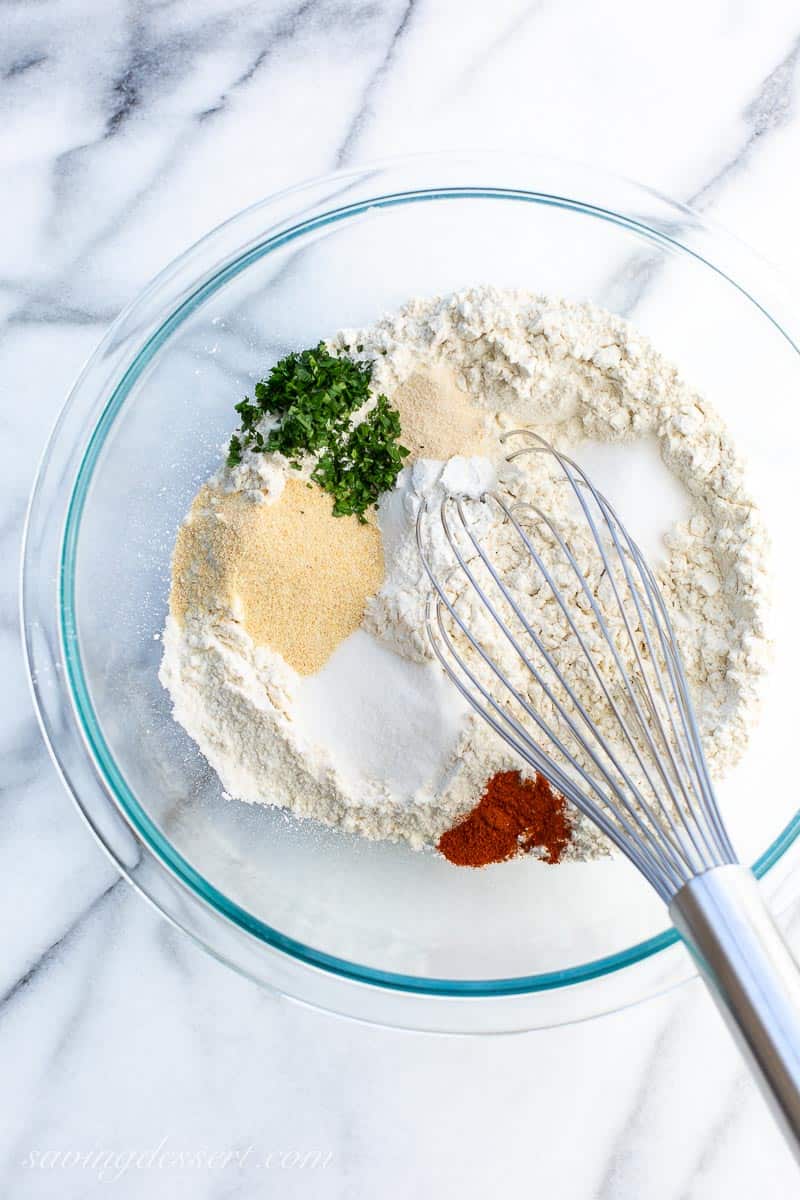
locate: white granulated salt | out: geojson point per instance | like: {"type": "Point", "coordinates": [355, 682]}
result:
{"type": "Point", "coordinates": [378, 716]}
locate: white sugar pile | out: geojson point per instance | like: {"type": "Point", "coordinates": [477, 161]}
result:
{"type": "Point", "coordinates": [381, 720]}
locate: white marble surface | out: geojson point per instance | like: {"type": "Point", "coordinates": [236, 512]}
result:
{"type": "Point", "coordinates": [128, 129]}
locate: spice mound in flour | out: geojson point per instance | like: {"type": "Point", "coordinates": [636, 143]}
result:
{"type": "Point", "coordinates": [439, 420]}
{"type": "Point", "coordinates": [295, 578]}
{"type": "Point", "coordinates": [514, 816]}
{"type": "Point", "coordinates": [285, 725]}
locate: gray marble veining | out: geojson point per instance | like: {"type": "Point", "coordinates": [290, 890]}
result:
{"type": "Point", "coordinates": [126, 131]}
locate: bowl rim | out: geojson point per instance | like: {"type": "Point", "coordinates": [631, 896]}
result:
{"type": "Point", "coordinates": [89, 726]}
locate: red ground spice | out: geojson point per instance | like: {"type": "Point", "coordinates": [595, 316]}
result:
{"type": "Point", "coordinates": [514, 816]}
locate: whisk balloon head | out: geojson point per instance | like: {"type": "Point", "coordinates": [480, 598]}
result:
{"type": "Point", "coordinates": [550, 623]}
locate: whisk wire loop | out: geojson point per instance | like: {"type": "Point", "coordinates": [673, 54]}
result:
{"type": "Point", "coordinates": [648, 791]}
{"type": "Point", "coordinates": [592, 662]}
{"type": "Point", "coordinates": [637, 811]}
{"type": "Point", "coordinates": [570, 469]}
{"type": "Point", "coordinates": [503, 721]}
{"type": "Point", "coordinates": [711, 826]}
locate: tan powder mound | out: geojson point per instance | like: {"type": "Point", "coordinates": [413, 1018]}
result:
{"type": "Point", "coordinates": [295, 576]}
{"type": "Point", "coordinates": [437, 418]}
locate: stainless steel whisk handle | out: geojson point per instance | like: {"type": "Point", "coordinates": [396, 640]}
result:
{"type": "Point", "coordinates": [749, 969]}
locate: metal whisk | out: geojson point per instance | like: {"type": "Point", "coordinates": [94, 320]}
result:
{"type": "Point", "coordinates": [618, 737]}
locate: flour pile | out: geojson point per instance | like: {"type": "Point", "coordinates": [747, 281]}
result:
{"type": "Point", "coordinates": [376, 740]}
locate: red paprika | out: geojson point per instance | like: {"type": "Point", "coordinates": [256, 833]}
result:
{"type": "Point", "coordinates": [514, 816]}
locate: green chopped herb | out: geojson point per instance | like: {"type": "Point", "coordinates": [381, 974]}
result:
{"type": "Point", "coordinates": [356, 469]}
{"type": "Point", "coordinates": [315, 393]}
{"type": "Point", "coordinates": [234, 452]}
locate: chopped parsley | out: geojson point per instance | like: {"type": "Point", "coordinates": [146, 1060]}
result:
{"type": "Point", "coordinates": [314, 394]}
{"type": "Point", "coordinates": [356, 468]}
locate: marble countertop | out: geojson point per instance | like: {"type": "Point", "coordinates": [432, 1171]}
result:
{"type": "Point", "coordinates": [128, 130]}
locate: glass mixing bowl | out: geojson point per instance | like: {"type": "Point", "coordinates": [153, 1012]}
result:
{"type": "Point", "coordinates": [373, 930]}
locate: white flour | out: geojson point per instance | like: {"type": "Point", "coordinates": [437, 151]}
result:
{"type": "Point", "coordinates": [574, 373]}
{"type": "Point", "coordinates": [397, 614]}
{"type": "Point", "coordinates": [372, 761]}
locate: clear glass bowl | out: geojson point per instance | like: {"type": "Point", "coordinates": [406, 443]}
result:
{"type": "Point", "coordinates": [371, 930]}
